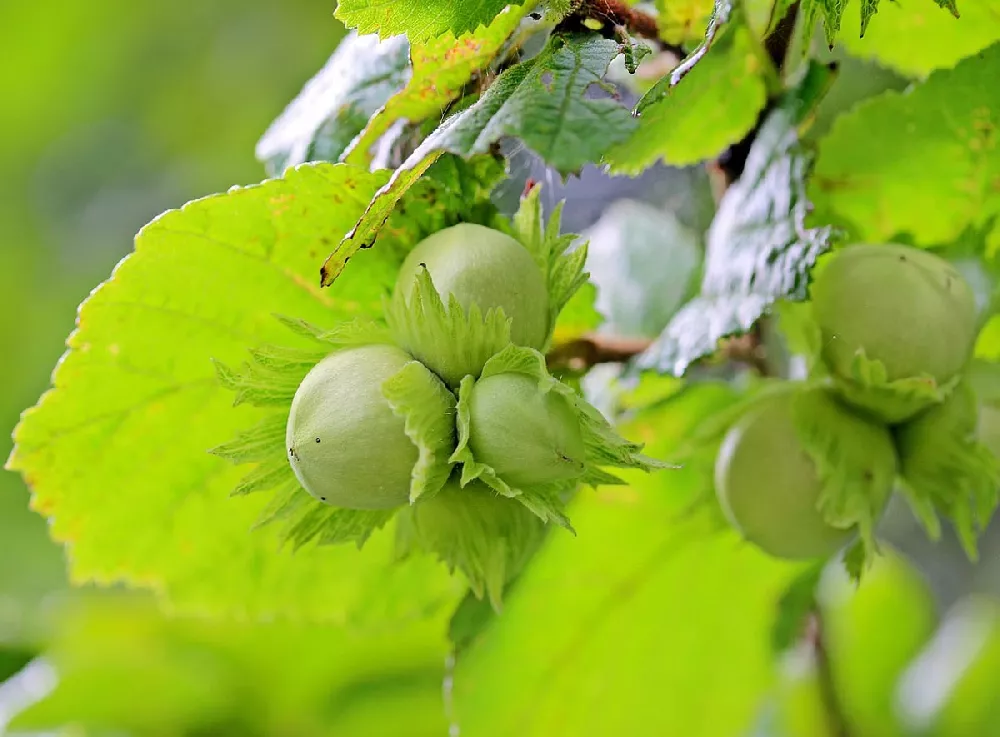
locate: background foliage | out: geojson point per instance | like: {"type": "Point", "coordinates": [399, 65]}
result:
{"type": "Point", "coordinates": [653, 619]}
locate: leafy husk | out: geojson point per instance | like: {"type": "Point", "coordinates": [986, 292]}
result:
{"type": "Point", "coordinates": [485, 535]}
{"type": "Point", "coordinates": [855, 462]}
{"type": "Point", "coordinates": [946, 470]}
{"type": "Point", "coordinates": [604, 447]}
{"type": "Point", "coordinates": [461, 341]}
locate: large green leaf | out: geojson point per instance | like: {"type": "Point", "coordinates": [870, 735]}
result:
{"type": "Point", "coordinates": [759, 249]}
{"type": "Point", "coordinates": [442, 67]}
{"type": "Point", "coordinates": [419, 19]}
{"type": "Point", "coordinates": [832, 13]}
{"type": "Point", "coordinates": [649, 622]}
{"type": "Point", "coordinates": [924, 163]}
{"type": "Point", "coordinates": [335, 105]}
{"type": "Point", "coordinates": [117, 453]}
{"type": "Point", "coordinates": [715, 105]}
{"type": "Point", "coordinates": [542, 101]}
{"type": "Point", "coordinates": [122, 666]}
{"type": "Point", "coordinates": [942, 39]}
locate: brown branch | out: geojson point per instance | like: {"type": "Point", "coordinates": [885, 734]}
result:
{"type": "Point", "coordinates": [618, 13]}
{"type": "Point", "coordinates": [590, 350]}
{"type": "Point", "coordinates": [596, 348]}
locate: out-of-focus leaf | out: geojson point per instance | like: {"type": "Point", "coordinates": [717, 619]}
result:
{"type": "Point", "coordinates": [643, 262]}
{"type": "Point", "coordinates": [123, 666]}
{"type": "Point", "coordinates": [942, 39]}
{"type": "Point", "coordinates": [924, 163]}
{"type": "Point", "coordinates": [832, 13]}
{"type": "Point", "coordinates": [336, 104]}
{"type": "Point", "coordinates": [872, 631]}
{"type": "Point", "coordinates": [442, 67]}
{"type": "Point", "coordinates": [715, 105]}
{"type": "Point", "coordinates": [759, 248]}
{"type": "Point", "coordinates": [116, 453]}
{"type": "Point", "coordinates": [419, 20]}
{"type": "Point", "coordinates": [630, 648]}
{"type": "Point", "coordinates": [682, 21]}
{"type": "Point", "coordinates": [950, 688]}
{"type": "Point", "coordinates": [794, 607]}
{"type": "Point", "coordinates": [542, 101]}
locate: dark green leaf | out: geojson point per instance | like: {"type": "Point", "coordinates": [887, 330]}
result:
{"type": "Point", "coordinates": [542, 101]}
{"type": "Point", "coordinates": [759, 248]}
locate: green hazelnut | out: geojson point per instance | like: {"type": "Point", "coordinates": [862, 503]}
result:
{"type": "Point", "coordinates": [345, 444]}
{"type": "Point", "coordinates": [769, 485]}
{"type": "Point", "coordinates": [526, 435]}
{"type": "Point", "coordinates": [482, 266]}
{"type": "Point", "coordinates": [906, 308]}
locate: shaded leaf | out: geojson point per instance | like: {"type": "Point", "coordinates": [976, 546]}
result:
{"type": "Point", "coordinates": [644, 264]}
{"type": "Point", "coordinates": [759, 248]}
{"type": "Point", "coordinates": [335, 105]}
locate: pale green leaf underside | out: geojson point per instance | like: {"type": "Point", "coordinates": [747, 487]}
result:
{"type": "Point", "coordinates": [924, 163]}
{"type": "Point", "coordinates": [541, 101]}
{"type": "Point", "coordinates": [335, 105]}
{"type": "Point", "coordinates": [656, 608]}
{"type": "Point", "coordinates": [117, 453]}
{"type": "Point", "coordinates": [419, 20]}
{"type": "Point", "coordinates": [714, 106]}
{"type": "Point", "coordinates": [759, 248]}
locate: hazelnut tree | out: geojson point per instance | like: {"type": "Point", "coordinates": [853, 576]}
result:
{"type": "Point", "coordinates": [371, 391]}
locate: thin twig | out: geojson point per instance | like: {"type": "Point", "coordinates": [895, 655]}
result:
{"type": "Point", "coordinates": [836, 717]}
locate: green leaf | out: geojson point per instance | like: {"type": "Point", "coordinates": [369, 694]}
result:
{"type": "Point", "coordinates": [442, 67]}
{"type": "Point", "coordinates": [696, 117]}
{"type": "Point", "coordinates": [542, 101]}
{"type": "Point", "coordinates": [628, 247]}
{"type": "Point", "coordinates": [335, 105]}
{"type": "Point", "coordinates": [116, 453]}
{"type": "Point", "coordinates": [640, 586]}
{"type": "Point", "coordinates": [922, 163]}
{"type": "Point", "coordinates": [123, 666]}
{"type": "Point", "coordinates": [420, 20]}
{"type": "Point", "coordinates": [759, 248]}
{"type": "Point", "coordinates": [927, 25]}
{"type": "Point", "coordinates": [794, 608]}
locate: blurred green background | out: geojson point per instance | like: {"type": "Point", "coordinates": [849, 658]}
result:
{"type": "Point", "coordinates": [115, 111]}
